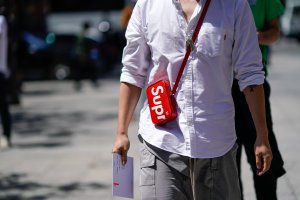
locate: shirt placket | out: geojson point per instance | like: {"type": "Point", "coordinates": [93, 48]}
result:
{"type": "Point", "coordinates": [188, 92]}
{"type": "Point", "coordinates": [190, 87]}
{"type": "Point", "coordinates": [189, 79]}
{"type": "Point", "coordinates": [187, 86]}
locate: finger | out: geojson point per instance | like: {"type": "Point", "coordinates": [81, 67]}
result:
{"type": "Point", "coordinates": [124, 156]}
{"type": "Point", "coordinates": [116, 150]}
{"type": "Point", "coordinates": [265, 165]}
{"type": "Point", "coordinates": [258, 161]}
{"type": "Point", "coordinates": [263, 169]}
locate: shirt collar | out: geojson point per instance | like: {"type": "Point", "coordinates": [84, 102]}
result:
{"type": "Point", "coordinates": [176, 1]}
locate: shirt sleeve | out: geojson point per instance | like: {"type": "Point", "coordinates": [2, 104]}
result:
{"type": "Point", "coordinates": [246, 55]}
{"type": "Point", "coordinates": [136, 54]}
{"type": "Point", "coordinates": [274, 9]}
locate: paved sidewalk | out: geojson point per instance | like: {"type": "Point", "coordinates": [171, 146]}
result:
{"type": "Point", "coordinates": [62, 143]}
{"type": "Point", "coordinates": [63, 138]}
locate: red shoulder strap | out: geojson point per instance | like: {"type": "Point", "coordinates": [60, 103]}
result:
{"type": "Point", "coordinates": [189, 49]}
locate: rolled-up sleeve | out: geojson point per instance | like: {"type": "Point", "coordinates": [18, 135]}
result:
{"type": "Point", "coordinates": [136, 54]}
{"type": "Point", "coordinates": [246, 54]}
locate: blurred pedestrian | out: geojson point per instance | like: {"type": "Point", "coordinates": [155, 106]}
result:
{"type": "Point", "coordinates": [126, 14]}
{"type": "Point", "coordinates": [85, 67]}
{"type": "Point", "coordinates": [194, 155]}
{"type": "Point", "coordinates": [125, 17]}
{"type": "Point", "coordinates": [266, 15]}
{"type": "Point", "coordinates": [4, 73]}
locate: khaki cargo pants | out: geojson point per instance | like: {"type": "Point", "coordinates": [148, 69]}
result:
{"type": "Point", "coordinates": [168, 176]}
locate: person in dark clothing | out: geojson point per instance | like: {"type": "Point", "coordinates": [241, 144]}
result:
{"type": "Point", "coordinates": [4, 113]}
{"type": "Point", "coordinates": [266, 15]}
{"type": "Point", "coordinates": [4, 72]}
{"type": "Point", "coordinates": [84, 65]}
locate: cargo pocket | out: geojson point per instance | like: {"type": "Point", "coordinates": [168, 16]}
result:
{"type": "Point", "coordinates": [147, 164]}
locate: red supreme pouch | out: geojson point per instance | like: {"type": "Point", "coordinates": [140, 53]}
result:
{"type": "Point", "coordinates": [161, 102]}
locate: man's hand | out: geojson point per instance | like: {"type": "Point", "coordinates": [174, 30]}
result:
{"type": "Point", "coordinates": [270, 34]}
{"type": "Point", "coordinates": [128, 98]}
{"type": "Point", "coordinates": [263, 155]}
{"type": "Point", "coordinates": [256, 101]}
{"type": "Point", "coordinates": [121, 146]}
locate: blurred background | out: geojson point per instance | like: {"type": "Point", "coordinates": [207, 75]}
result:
{"type": "Point", "coordinates": [47, 36]}
{"type": "Point", "coordinates": [64, 58]}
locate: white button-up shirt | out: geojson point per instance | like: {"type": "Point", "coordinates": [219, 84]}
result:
{"type": "Point", "coordinates": [226, 46]}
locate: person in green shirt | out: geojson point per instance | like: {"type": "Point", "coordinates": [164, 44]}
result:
{"type": "Point", "coordinates": [266, 14]}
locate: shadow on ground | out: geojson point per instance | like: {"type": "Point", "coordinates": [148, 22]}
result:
{"type": "Point", "coordinates": [15, 186]}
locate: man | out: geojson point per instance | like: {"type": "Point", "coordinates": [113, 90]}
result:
{"type": "Point", "coordinates": [192, 157]}
{"type": "Point", "coordinates": [266, 15]}
{"type": "Point", "coordinates": [84, 65]}
{"type": "Point", "coordinates": [4, 107]}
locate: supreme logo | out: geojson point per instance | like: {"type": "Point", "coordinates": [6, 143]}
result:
{"type": "Point", "coordinates": [157, 101]}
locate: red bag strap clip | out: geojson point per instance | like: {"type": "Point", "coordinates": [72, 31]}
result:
{"type": "Point", "coordinates": [190, 46]}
